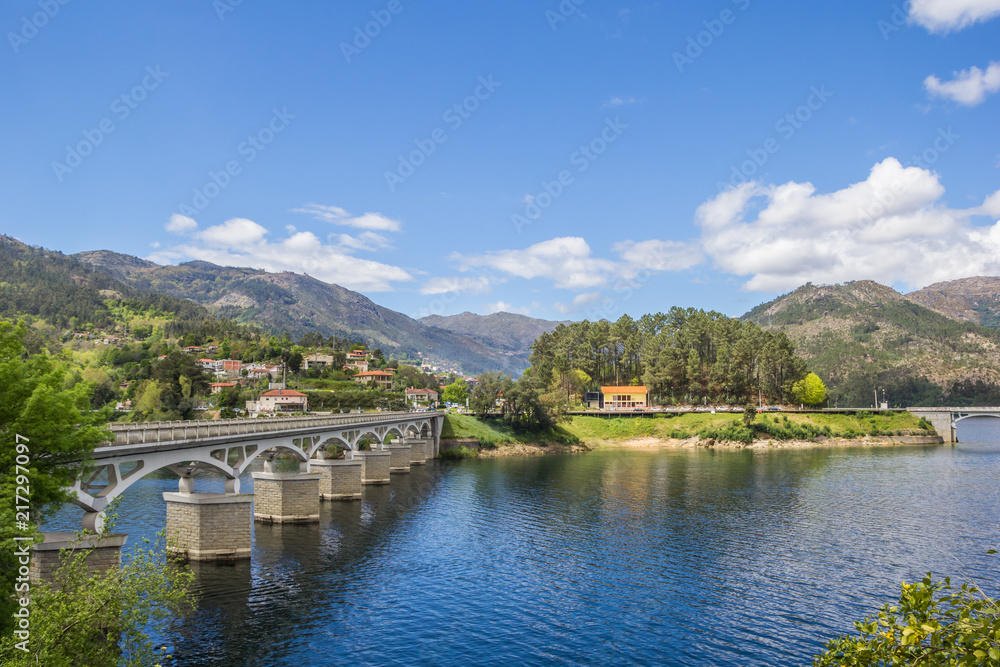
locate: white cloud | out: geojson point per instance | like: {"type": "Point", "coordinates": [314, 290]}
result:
{"type": "Point", "coordinates": [969, 87]}
{"type": "Point", "coordinates": [657, 255]}
{"type": "Point", "coordinates": [891, 227]}
{"type": "Point", "coordinates": [180, 224]}
{"type": "Point", "coordinates": [568, 263]}
{"type": "Point", "coordinates": [587, 298]}
{"type": "Point", "coordinates": [456, 285]}
{"type": "Point", "coordinates": [947, 15]}
{"type": "Point", "coordinates": [504, 307]}
{"type": "Point", "coordinates": [338, 216]}
{"type": "Point", "coordinates": [237, 232]}
{"type": "Point", "coordinates": [991, 206]}
{"type": "Point", "coordinates": [581, 302]}
{"type": "Point", "coordinates": [242, 242]}
{"type": "Point", "coordinates": [363, 241]}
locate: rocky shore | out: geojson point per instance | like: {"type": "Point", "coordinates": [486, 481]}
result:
{"type": "Point", "coordinates": [523, 449]}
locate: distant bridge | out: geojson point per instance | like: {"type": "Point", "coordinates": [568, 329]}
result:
{"type": "Point", "coordinates": [229, 446]}
{"type": "Point", "coordinates": [944, 419]}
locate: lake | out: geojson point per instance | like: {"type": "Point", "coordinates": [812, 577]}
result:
{"type": "Point", "coordinates": [709, 557]}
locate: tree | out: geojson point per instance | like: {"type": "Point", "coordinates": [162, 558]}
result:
{"type": "Point", "coordinates": [295, 362]}
{"type": "Point", "coordinates": [933, 624]}
{"type": "Point", "coordinates": [810, 390]}
{"type": "Point", "coordinates": [524, 409]}
{"type": "Point", "coordinates": [45, 428]}
{"type": "Point", "coordinates": [102, 619]}
{"type": "Point", "coordinates": [749, 414]}
{"type": "Point", "coordinates": [455, 392]}
{"type": "Point", "coordinates": [492, 386]}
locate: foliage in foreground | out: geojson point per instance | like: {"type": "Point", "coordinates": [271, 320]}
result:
{"type": "Point", "coordinates": [933, 624]}
{"type": "Point", "coordinates": [47, 433]}
{"type": "Point", "coordinates": [101, 620]}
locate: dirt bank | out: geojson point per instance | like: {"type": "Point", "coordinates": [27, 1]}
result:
{"type": "Point", "coordinates": [865, 441]}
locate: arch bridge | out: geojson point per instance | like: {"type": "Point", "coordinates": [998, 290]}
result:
{"type": "Point", "coordinates": [229, 446]}
{"type": "Point", "coordinates": [944, 420]}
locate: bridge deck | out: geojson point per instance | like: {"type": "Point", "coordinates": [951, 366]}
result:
{"type": "Point", "coordinates": [184, 431]}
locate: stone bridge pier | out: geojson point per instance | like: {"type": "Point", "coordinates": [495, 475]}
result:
{"type": "Point", "coordinates": [208, 526]}
{"type": "Point", "coordinates": [286, 497]}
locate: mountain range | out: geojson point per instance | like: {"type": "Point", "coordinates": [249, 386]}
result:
{"type": "Point", "coordinates": [508, 332]}
{"type": "Point", "coordinates": [936, 344]}
{"type": "Point", "coordinates": [298, 304]}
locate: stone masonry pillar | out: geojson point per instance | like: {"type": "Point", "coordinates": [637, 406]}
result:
{"type": "Point", "coordinates": [106, 553]}
{"type": "Point", "coordinates": [435, 444]}
{"type": "Point", "coordinates": [209, 526]}
{"type": "Point", "coordinates": [376, 466]}
{"type": "Point", "coordinates": [286, 497]}
{"type": "Point", "coordinates": [418, 452]}
{"type": "Point", "coordinates": [340, 479]}
{"type": "Point", "coordinates": [399, 458]}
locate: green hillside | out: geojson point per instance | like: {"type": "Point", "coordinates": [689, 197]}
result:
{"type": "Point", "coordinates": [299, 304]}
{"type": "Point", "coordinates": [861, 336]}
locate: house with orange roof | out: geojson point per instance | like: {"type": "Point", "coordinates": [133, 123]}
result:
{"type": "Point", "coordinates": [380, 379]}
{"type": "Point", "coordinates": [278, 401]}
{"type": "Point", "coordinates": [421, 396]}
{"type": "Point", "coordinates": [624, 398]}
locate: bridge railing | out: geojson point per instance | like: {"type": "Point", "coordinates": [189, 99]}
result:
{"type": "Point", "coordinates": [170, 431]}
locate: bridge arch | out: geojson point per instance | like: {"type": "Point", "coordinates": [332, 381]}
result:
{"type": "Point", "coordinates": [110, 480]}
{"type": "Point", "coordinates": [963, 417]}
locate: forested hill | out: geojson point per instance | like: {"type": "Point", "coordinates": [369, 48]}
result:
{"type": "Point", "coordinates": [299, 304]}
{"type": "Point", "coordinates": [684, 356]}
{"type": "Point", "coordinates": [862, 335]}
{"type": "Point", "coordinates": [68, 293]}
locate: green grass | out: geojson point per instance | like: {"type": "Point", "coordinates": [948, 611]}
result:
{"type": "Point", "coordinates": [495, 433]}
{"type": "Point", "coordinates": [722, 426]}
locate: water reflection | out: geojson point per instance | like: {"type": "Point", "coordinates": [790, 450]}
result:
{"type": "Point", "coordinates": [637, 557]}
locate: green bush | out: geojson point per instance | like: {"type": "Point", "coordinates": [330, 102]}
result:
{"type": "Point", "coordinates": [732, 432]}
{"type": "Point", "coordinates": [461, 452]}
{"type": "Point", "coordinates": [932, 624]}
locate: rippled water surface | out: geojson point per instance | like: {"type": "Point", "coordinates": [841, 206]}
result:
{"type": "Point", "coordinates": [631, 557]}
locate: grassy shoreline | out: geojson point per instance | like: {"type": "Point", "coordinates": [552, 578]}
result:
{"type": "Point", "coordinates": [784, 430]}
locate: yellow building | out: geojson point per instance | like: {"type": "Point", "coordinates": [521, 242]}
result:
{"type": "Point", "coordinates": [624, 398]}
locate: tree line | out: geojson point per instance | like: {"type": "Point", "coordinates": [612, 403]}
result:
{"type": "Point", "coordinates": [683, 356]}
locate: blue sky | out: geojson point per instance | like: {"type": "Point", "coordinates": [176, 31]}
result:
{"type": "Point", "coordinates": [565, 160]}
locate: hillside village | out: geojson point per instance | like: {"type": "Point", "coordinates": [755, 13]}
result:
{"type": "Point", "coordinates": [214, 385]}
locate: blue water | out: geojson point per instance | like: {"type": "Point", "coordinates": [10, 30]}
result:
{"type": "Point", "coordinates": [627, 557]}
